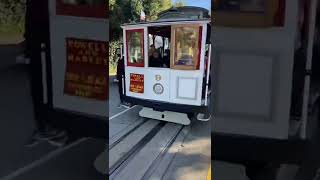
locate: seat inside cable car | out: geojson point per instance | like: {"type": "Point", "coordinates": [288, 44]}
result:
{"type": "Point", "coordinates": [159, 46]}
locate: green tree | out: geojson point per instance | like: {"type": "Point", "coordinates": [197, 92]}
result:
{"type": "Point", "coordinates": [153, 7]}
{"type": "Point", "coordinates": [12, 15]}
{"type": "Point", "coordinates": [121, 11]}
{"type": "Point", "coordinates": [126, 11]}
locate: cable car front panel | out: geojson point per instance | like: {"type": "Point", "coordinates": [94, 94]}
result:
{"type": "Point", "coordinates": [179, 80]}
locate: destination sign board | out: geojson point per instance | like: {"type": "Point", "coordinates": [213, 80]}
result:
{"type": "Point", "coordinates": [86, 69]}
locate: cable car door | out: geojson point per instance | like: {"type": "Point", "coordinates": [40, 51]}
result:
{"type": "Point", "coordinates": [187, 63]}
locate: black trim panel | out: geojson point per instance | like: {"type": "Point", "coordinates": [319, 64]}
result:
{"type": "Point", "coordinates": [243, 149]}
{"type": "Point", "coordinates": [79, 125]}
{"type": "Point", "coordinates": [164, 106]}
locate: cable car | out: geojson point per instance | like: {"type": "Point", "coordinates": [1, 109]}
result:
{"type": "Point", "coordinates": [167, 65]}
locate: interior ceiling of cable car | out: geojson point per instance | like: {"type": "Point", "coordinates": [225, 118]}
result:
{"type": "Point", "coordinates": [164, 31]}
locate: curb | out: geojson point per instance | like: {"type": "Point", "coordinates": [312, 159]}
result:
{"type": "Point", "coordinates": [209, 173]}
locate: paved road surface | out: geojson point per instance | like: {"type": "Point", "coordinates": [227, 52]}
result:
{"type": "Point", "coordinates": [193, 158]}
{"type": "Point", "coordinates": [17, 120]}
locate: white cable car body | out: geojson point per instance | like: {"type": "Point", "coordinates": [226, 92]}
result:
{"type": "Point", "coordinates": [179, 90]}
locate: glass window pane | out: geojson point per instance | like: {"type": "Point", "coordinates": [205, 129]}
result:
{"type": "Point", "coordinates": [186, 46]}
{"type": "Point", "coordinates": [135, 47]}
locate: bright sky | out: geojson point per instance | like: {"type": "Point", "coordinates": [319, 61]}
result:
{"type": "Point", "coordinates": [200, 3]}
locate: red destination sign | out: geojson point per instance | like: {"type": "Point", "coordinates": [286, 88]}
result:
{"type": "Point", "coordinates": [86, 69]}
{"type": "Point", "coordinates": [137, 83]}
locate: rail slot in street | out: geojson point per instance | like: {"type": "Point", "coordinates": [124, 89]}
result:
{"type": "Point", "coordinates": [151, 141]}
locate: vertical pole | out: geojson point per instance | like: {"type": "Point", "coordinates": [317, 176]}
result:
{"type": "Point", "coordinates": [208, 75]}
{"type": "Point", "coordinates": [44, 73]}
{"type": "Point", "coordinates": [311, 32]}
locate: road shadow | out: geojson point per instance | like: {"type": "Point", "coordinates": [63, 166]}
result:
{"type": "Point", "coordinates": [17, 118]}
{"type": "Point", "coordinates": [9, 52]}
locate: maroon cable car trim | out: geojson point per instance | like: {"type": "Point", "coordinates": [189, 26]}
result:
{"type": "Point", "coordinates": [127, 53]}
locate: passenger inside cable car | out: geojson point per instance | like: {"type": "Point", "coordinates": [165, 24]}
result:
{"type": "Point", "coordinates": [186, 39]}
{"type": "Point", "coordinates": [166, 58]}
{"type": "Point", "coordinates": [159, 53]}
{"type": "Point", "coordinates": [156, 60]}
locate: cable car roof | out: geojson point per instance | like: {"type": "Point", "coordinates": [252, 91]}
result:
{"type": "Point", "coordinates": [177, 15]}
{"type": "Point", "coordinates": [192, 12]}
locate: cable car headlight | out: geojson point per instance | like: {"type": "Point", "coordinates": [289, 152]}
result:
{"type": "Point", "coordinates": [158, 88]}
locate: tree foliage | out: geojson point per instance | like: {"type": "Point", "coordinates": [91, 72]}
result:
{"type": "Point", "coordinates": [12, 15]}
{"type": "Point", "coordinates": [126, 11]}
{"type": "Point", "coordinates": [153, 7]}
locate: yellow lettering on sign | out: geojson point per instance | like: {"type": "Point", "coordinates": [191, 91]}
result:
{"type": "Point", "coordinates": [69, 44]}
{"type": "Point", "coordinates": [83, 45]}
{"type": "Point", "coordinates": [96, 47]}
{"type": "Point", "coordinates": [94, 53]}
{"type": "Point", "coordinates": [90, 79]}
{"type": "Point", "coordinates": [77, 44]}
{"type": "Point", "coordinates": [99, 60]}
{"type": "Point", "coordinates": [91, 60]}
{"type": "Point", "coordinates": [70, 58]}
{"type": "Point", "coordinates": [90, 46]}
{"type": "Point", "coordinates": [103, 48]}
{"type": "Point", "coordinates": [84, 59]}
{"type": "Point", "coordinates": [78, 59]}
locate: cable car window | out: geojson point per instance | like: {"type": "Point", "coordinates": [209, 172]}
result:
{"type": "Point", "coordinates": [159, 51]}
{"type": "Point", "coordinates": [135, 45]}
{"type": "Point", "coordinates": [186, 46]}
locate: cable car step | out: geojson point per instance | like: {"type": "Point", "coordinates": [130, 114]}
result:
{"type": "Point", "coordinates": [169, 116]}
